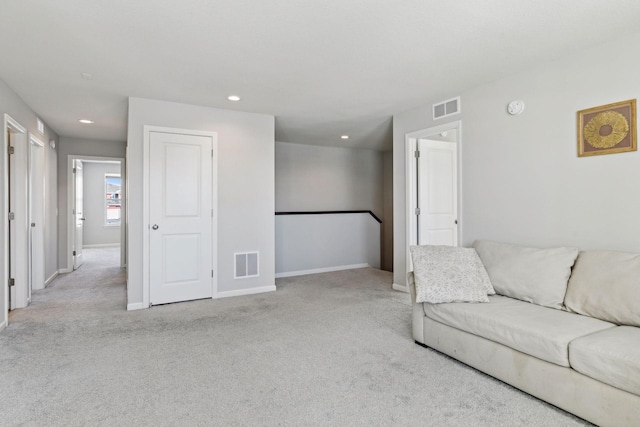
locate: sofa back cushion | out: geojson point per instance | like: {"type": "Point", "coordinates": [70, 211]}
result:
{"type": "Point", "coordinates": [606, 285]}
{"type": "Point", "coordinates": [529, 274]}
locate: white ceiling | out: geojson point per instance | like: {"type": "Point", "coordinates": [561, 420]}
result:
{"type": "Point", "coordinates": [323, 68]}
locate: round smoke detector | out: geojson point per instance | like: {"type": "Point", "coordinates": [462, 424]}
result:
{"type": "Point", "coordinates": [515, 107]}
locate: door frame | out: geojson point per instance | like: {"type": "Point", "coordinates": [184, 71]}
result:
{"type": "Point", "coordinates": [10, 125]}
{"type": "Point", "coordinates": [146, 224]}
{"type": "Point", "coordinates": [71, 191]}
{"type": "Point", "coordinates": [411, 178]}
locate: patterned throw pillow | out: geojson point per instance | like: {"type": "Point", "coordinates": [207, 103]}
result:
{"type": "Point", "coordinates": [449, 274]}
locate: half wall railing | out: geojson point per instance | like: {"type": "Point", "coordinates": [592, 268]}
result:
{"type": "Point", "coordinates": [310, 242]}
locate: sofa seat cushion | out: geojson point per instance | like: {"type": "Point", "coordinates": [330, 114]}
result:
{"type": "Point", "coordinates": [538, 331]}
{"type": "Point", "coordinates": [611, 356]}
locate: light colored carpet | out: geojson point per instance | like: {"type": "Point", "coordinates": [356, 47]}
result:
{"type": "Point", "coordinates": [326, 349]}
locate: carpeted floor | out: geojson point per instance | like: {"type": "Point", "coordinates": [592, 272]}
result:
{"type": "Point", "coordinates": [326, 349]}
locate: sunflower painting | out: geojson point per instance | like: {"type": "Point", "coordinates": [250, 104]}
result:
{"type": "Point", "coordinates": [607, 129]}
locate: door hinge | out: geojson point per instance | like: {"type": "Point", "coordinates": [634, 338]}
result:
{"type": "Point", "coordinates": [212, 152]}
{"type": "Point", "coordinates": [11, 149]}
{"type": "Point", "coordinates": [456, 221]}
{"type": "Point", "coordinates": [417, 211]}
{"type": "Point", "coordinates": [12, 216]}
{"type": "Point", "coordinates": [74, 253]}
{"type": "Point", "coordinates": [211, 213]}
{"type": "Point", "coordinates": [74, 170]}
{"type": "Point", "coordinates": [417, 153]}
{"type": "Point", "coordinates": [211, 273]}
{"type": "Point", "coordinates": [12, 282]}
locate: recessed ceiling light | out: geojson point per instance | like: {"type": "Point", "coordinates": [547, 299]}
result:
{"type": "Point", "coordinates": [86, 121]}
{"type": "Point", "coordinates": [233, 98]}
{"type": "Point", "coordinates": [86, 76]}
{"type": "Point", "coordinates": [345, 137]}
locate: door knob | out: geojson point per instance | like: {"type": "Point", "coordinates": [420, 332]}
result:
{"type": "Point", "coordinates": [155, 226]}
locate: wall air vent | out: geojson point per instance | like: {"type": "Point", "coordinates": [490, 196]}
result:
{"type": "Point", "coordinates": [246, 265]}
{"type": "Point", "coordinates": [446, 108]}
{"type": "Point", "coordinates": [40, 125]}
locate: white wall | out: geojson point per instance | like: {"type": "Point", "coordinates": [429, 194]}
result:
{"type": "Point", "coordinates": [77, 147]}
{"type": "Point", "coordinates": [522, 181]}
{"type": "Point", "coordinates": [315, 178]}
{"type": "Point", "coordinates": [245, 186]}
{"type": "Point", "coordinates": [12, 104]}
{"type": "Point", "coordinates": [95, 232]}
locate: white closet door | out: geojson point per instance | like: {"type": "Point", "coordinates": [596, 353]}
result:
{"type": "Point", "coordinates": [437, 193]}
{"type": "Point", "coordinates": [78, 175]}
{"type": "Point", "coordinates": [180, 212]}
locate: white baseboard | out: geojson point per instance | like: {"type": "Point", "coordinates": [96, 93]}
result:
{"type": "Point", "coordinates": [102, 245]}
{"type": "Point", "coordinates": [50, 279]}
{"type": "Point", "coordinates": [135, 306]}
{"type": "Point", "coordinates": [249, 291]}
{"type": "Point", "coordinates": [320, 270]}
{"type": "Point", "coordinates": [3, 325]}
{"type": "Point", "coordinates": [65, 270]}
{"type": "Point", "coordinates": [225, 294]}
{"type": "Point", "coordinates": [400, 288]}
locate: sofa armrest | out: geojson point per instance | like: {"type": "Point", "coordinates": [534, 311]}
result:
{"type": "Point", "coordinates": [411, 283]}
{"type": "Point", "coordinates": [418, 311]}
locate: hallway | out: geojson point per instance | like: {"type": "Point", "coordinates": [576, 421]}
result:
{"type": "Point", "coordinates": [98, 286]}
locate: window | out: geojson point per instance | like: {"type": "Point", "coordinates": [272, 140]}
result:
{"type": "Point", "coordinates": [113, 199]}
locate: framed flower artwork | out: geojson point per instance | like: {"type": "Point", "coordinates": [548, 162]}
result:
{"type": "Point", "coordinates": [607, 129]}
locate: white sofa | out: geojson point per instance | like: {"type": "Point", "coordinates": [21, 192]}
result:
{"type": "Point", "coordinates": [581, 353]}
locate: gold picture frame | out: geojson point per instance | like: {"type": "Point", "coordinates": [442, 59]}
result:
{"type": "Point", "coordinates": [607, 129]}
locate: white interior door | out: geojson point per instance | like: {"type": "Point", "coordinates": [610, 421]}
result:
{"type": "Point", "coordinates": [11, 238]}
{"type": "Point", "coordinates": [78, 212]}
{"type": "Point", "coordinates": [180, 217]}
{"type": "Point", "coordinates": [14, 222]}
{"type": "Point", "coordinates": [19, 225]}
{"type": "Point", "coordinates": [437, 193]}
{"type": "Point", "coordinates": [36, 214]}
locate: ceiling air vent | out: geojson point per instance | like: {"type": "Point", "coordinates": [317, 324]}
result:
{"type": "Point", "coordinates": [446, 108]}
{"type": "Point", "coordinates": [40, 125]}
